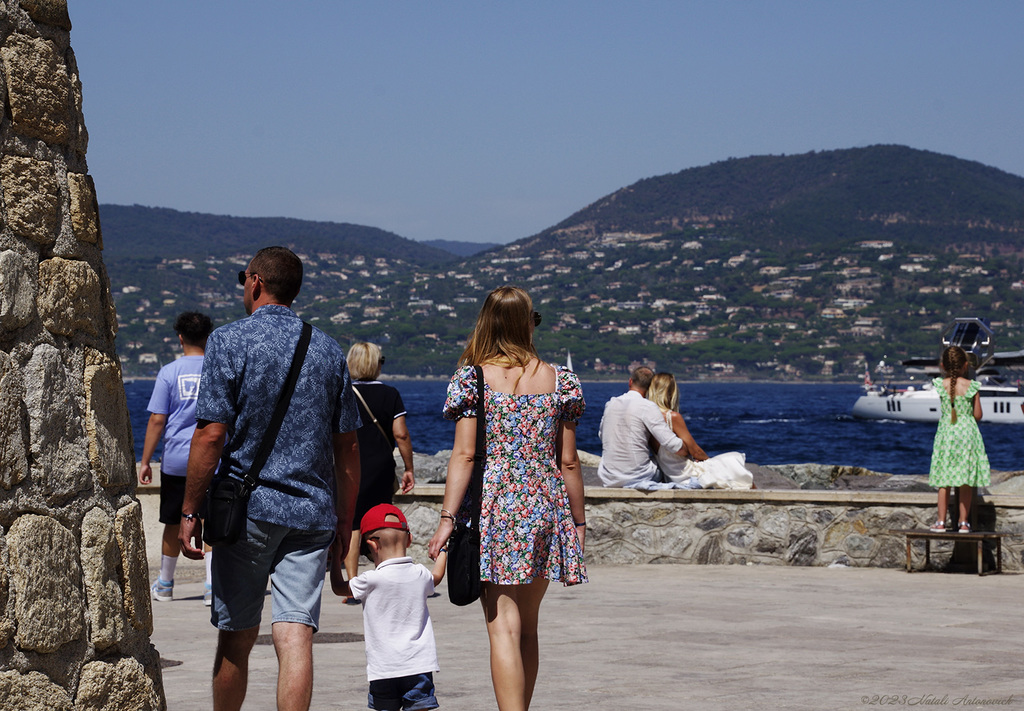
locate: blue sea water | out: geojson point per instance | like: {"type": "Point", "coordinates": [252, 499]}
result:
{"type": "Point", "coordinates": [771, 423]}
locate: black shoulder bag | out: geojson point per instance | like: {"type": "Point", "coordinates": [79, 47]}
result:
{"type": "Point", "coordinates": [464, 543]}
{"type": "Point", "coordinates": [227, 499]}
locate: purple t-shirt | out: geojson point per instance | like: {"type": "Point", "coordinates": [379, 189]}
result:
{"type": "Point", "coordinates": [175, 394]}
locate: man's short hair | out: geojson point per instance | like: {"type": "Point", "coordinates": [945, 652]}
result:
{"type": "Point", "coordinates": [641, 377]}
{"type": "Point", "coordinates": [280, 272]}
{"type": "Point", "coordinates": [193, 327]}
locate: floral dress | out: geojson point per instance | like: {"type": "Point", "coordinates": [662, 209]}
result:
{"type": "Point", "coordinates": [958, 456]}
{"type": "Point", "coordinates": [526, 528]}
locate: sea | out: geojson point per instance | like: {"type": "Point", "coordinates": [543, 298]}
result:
{"type": "Point", "coordinates": [772, 423]}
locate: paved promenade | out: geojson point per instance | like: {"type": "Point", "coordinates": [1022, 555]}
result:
{"type": "Point", "coordinates": [682, 637]}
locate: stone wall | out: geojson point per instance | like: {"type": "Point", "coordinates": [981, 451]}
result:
{"type": "Point", "coordinates": [75, 614]}
{"type": "Point", "coordinates": [792, 527]}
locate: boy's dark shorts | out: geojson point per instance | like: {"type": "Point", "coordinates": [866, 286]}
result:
{"type": "Point", "coordinates": [412, 693]}
{"type": "Point", "coordinates": [172, 497]}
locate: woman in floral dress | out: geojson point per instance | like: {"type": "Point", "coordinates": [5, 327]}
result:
{"type": "Point", "coordinates": [958, 455]}
{"type": "Point", "coordinates": [532, 520]}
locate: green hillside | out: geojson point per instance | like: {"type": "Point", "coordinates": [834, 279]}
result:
{"type": "Point", "coordinates": [821, 199]}
{"type": "Point", "coordinates": [776, 267]}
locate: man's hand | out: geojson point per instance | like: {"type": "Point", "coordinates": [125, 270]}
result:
{"type": "Point", "coordinates": [190, 536]}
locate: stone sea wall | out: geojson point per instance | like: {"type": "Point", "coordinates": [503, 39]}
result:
{"type": "Point", "coordinates": [793, 527]}
{"type": "Point", "coordinates": [75, 614]}
{"type": "Point", "coordinates": [799, 514]}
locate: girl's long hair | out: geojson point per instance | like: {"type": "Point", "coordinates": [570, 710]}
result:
{"type": "Point", "coordinates": [503, 334]}
{"type": "Point", "coordinates": [954, 364]}
{"type": "Point", "coordinates": [663, 392]}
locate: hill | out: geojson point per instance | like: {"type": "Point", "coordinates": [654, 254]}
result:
{"type": "Point", "coordinates": [139, 232]}
{"type": "Point", "coordinates": [811, 266]}
{"type": "Point", "coordinates": [819, 199]}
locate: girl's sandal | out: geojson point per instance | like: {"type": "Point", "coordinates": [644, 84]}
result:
{"type": "Point", "coordinates": [965, 527]}
{"type": "Point", "coordinates": [938, 527]}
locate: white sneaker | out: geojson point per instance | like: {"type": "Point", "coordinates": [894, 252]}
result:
{"type": "Point", "coordinates": [162, 591]}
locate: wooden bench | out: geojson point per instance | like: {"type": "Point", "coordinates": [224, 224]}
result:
{"type": "Point", "coordinates": [978, 537]}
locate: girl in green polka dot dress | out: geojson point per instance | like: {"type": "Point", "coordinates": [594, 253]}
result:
{"type": "Point", "coordinates": [958, 456]}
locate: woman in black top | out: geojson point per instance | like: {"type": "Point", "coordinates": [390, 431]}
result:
{"type": "Point", "coordinates": [377, 483]}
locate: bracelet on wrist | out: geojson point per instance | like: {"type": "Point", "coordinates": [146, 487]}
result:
{"type": "Point", "coordinates": [446, 512]}
{"type": "Point", "coordinates": [189, 517]}
{"type": "Point", "coordinates": [578, 524]}
{"type": "Point", "coordinates": [448, 516]}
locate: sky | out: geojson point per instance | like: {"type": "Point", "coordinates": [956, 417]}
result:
{"type": "Point", "coordinates": [489, 121]}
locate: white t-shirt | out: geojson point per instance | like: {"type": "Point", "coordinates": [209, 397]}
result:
{"type": "Point", "coordinates": [396, 622]}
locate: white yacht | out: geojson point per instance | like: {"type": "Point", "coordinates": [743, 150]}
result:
{"type": "Point", "coordinates": [1001, 401]}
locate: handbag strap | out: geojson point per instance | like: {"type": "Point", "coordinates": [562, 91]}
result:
{"type": "Point", "coordinates": [252, 477]}
{"type": "Point", "coordinates": [480, 454]}
{"type": "Point", "coordinates": [370, 413]}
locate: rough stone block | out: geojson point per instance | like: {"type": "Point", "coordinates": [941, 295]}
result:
{"type": "Point", "coordinates": [70, 297]}
{"type": "Point", "coordinates": [38, 87]}
{"type": "Point", "coordinates": [107, 424]}
{"type": "Point", "coordinates": [31, 692]}
{"type": "Point", "coordinates": [47, 582]}
{"type": "Point", "coordinates": [85, 214]}
{"type": "Point", "coordinates": [6, 619]}
{"type": "Point", "coordinates": [17, 291]}
{"type": "Point", "coordinates": [123, 685]}
{"type": "Point", "coordinates": [131, 540]}
{"type": "Point", "coordinates": [100, 560]}
{"type": "Point", "coordinates": [58, 443]}
{"type": "Point", "coordinates": [48, 12]}
{"type": "Point", "coordinates": [31, 197]}
{"type": "Point", "coordinates": [13, 462]}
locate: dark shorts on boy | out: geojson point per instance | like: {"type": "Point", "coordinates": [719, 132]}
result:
{"type": "Point", "coordinates": [411, 693]}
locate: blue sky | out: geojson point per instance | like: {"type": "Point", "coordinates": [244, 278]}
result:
{"type": "Point", "coordinates": [488, 121]}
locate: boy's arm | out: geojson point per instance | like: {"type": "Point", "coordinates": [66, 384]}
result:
{"type": "Point", "coordinates": [439, 565]}
{"type": "Point", "coordinates": [339, 586]}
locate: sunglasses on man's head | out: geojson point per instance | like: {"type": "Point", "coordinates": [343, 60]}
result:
{"type": "Point", "coordinates": [244, 276]}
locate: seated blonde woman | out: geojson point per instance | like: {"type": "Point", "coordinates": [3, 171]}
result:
{"type": "Point", "coordinates": [696, 469]}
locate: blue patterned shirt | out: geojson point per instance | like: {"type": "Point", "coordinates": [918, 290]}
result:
{"type": "Point", "coordinates": [244, 371]}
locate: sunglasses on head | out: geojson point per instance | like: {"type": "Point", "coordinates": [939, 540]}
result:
{"type": "Point", "coordinates": [536, 318]}
{"type": "Point", "coordinates": [243, 276]}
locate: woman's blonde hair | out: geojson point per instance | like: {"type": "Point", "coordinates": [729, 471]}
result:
{"type": "Point", "coordinates": [663, 392]}
{"type": "Point", "coordinates": [364, 361]}
{"type": "Point", "coordinates": [503, 334]}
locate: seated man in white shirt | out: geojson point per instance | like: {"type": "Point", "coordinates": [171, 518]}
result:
{"type": "Point", "coordinates": [629, 421]}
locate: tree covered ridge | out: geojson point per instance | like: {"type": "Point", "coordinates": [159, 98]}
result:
{"type": "Point", "coordinates": [816, 198]}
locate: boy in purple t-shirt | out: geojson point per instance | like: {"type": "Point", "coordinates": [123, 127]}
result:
{"type": "Point", "coordinates": [172, 410]}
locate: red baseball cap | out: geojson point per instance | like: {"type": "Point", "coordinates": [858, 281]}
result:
{"type": "Point", "coordinates": [377, 517]}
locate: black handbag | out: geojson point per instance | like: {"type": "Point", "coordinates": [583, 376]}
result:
{"type": "Point", "coordinates": [227, 499]}
{"type": "Point", "coordinates": [464, 543]}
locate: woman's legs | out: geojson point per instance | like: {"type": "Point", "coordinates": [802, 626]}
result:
{"type": "Point", "coordinates": [512, 614]}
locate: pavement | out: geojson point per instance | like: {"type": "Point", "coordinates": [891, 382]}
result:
{"type": "Point", "coordinates": [672, 637]}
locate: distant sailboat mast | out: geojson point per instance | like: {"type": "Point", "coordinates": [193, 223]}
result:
{"type": "Point", "coordinates": [568, 360]}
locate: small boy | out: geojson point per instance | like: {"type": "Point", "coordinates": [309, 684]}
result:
{"type": "Point", "coordinates": [400, 653]}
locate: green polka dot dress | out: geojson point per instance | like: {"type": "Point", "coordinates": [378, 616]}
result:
{"type": "Point", "coordinates": [958, 457]}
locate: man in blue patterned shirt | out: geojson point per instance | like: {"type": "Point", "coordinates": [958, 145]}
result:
{"type": "Point", "coordinates": [308, 487]}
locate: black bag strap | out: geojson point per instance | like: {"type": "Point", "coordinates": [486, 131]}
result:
{"type": "Point", "coordinates": [252, 477]}
{"type": "Point", "coordinates": [480, 454]}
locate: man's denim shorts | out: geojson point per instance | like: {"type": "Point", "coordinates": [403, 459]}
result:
{"type": "Point", "coordinates": [412, 693]}
{"type": "Point", "coordinates": [293, 560]}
